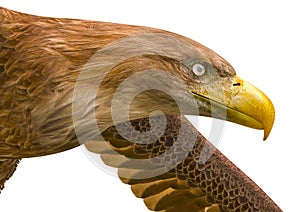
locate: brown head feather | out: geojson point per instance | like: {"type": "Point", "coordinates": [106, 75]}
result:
{"type": "Point", "coordinates": [41, 59]}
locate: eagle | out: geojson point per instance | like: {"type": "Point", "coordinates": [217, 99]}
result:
{"type": "Point", "coordinates": [122, 91]}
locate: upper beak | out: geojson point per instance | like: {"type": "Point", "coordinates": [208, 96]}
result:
{"type": "Point", "coordinates": [251, 107]}
{"type": "Point", "coordinates": [246, 105]}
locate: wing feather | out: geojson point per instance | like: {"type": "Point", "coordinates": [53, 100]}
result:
{"type": "Point", "coordinates": [178, 172]}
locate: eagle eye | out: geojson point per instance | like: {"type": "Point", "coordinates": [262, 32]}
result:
{"type": "Point", "coordinates": [199, 69]}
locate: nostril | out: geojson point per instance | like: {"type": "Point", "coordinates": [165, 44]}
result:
{"type": "Point", "coordinates": [237, 84]}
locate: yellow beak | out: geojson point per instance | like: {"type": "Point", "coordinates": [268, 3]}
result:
{"type": "Point", "coordinates": [252, 108]}
{"type": "Point", "coordinates": [246, 105]}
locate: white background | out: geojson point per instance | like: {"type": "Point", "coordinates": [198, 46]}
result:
{"type": "Point", "coordinates": [259, 38]}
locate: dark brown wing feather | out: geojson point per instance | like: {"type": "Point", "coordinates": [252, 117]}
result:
{"type": "Point", "coordinates": [198, 176]}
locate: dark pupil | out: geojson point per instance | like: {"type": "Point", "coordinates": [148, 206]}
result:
{"type": "Point", "coordinates": [199, 68]}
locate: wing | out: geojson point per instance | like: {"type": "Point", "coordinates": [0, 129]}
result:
{"type": "Point", "coordinates": [178, 169]}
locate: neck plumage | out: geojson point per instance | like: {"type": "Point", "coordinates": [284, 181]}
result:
{"type": "Point", "coordinates": [40, 61]}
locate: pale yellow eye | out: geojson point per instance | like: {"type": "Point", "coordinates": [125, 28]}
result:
{"type": "Point", "coordinates": [198, 69]}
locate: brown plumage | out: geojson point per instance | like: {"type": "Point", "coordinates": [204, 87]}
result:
{"type": "Point", "coordinates": [41, 65]}
{"type": "Point", "coordinates": [205, 180]}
